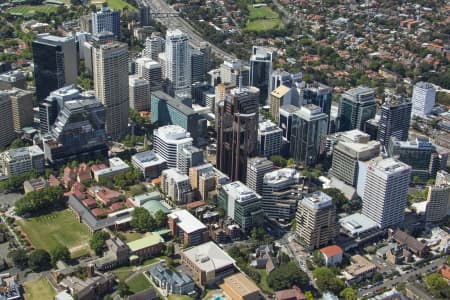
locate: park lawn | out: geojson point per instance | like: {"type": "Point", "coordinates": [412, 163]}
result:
{"type": "Point", "coordinates": [30, 10]}
{"type": "Point", "coordinates": [138, 283]}
{"type": "Point", "coordinates": [123, 273]}
{"type": "Point", "coordinates": [114, 4]}
{"type": "Point", "coordinates": [263, 12]}
{"type": "Point", "coordinates": [59, 227]}
{"type": "Point", "coordinates": [39, 290]}
{"type": "Point", "coordinates": [263, 24]}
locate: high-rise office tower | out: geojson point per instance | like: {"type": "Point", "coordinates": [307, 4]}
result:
{"type": "Point", "coordinates": [261, 72]}
{"type": "Point", "coordinates": [55, 63]}
{"type": "Point", "coordinates": [106, 19]}
{"type": "Point", "coordinates": [231, 72]}
{"type": "Point", "coordinates": [197, 65]}
{"type": "Point", "coordinates": [280, 194]}
{"type": "Point", "coordinates": [237, 125]}
{"type": "Point", "coordinates": [280, 77]}
{"type": "Point", "coordinates": [154, 45]}
{"type": "Point", "coordinates": [168, 141]}
{"type": "Point", "coordinates": [178, 63]}
{"type": "Point", "coordinates": [269, 138]}
{"type": "Point", "coordinates": [309, 125]}
{"type": "Point", "coordinates": [111, 85]}
{"type": "Point", "coordinates": [394, 121]}
{"type": "Point", "coordinates": [257, 167]}
{"type": "Point", "coordinates": [423, 98]}
{"type": "Point", "coordinates": [279, 97]}
{"type": "Point", "coordinates": [346, 158]}
{"type": "Point", "coordinates": [438, 201]}
{"type": "Point", "coordinates": [78, 132]}
{"type": "Point", "coordinates": [150, 70]}
{"type": "Point", "coordinates": [189, 156]}
{"type": "Point", "coordinates": [316, 220]}
{"type": "Point", "coordinates": [139, 89]}
{"type": "Point", "coordinates": [86, 23]}
{"type": "Point", "coordinates": [356, 106]}
{"type": "Point", "coordinates": [242, 204]}
{"type": "Point", "coordinates": [386, 189]}
{"type": "Point", "coordinates": [320, 95]}
{"type": "Point", "coordinates": [145, 16]}
{"type": "Point", "coordinates": [22, 108]}
{"type": "Point", "coordinates": [53, 103]}
{"type": "Point", "coordinates": [285, 120]}
{"type": "Point", "coordinates": [420, 154]}
{"type": "Point", "coordinates": [13, 79]}
{"type": "Point", "coordinates": [6, 121]}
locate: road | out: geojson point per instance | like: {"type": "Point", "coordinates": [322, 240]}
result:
{"type": "Point", "coordinates": [404, 278]}
{"type": "Point", "coordinates": [196, 39]}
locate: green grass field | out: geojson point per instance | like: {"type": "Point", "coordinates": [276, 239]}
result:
{"type": "Point", "coordinates": [179, 297]}
{"type": "Point", "coordinates": [61, 227]}
{"type": "Point", "coordinates": [123, 273]}
{"type": "Point", "coordinates": [114, 4]}
{"type": "Point", "coordinates": [138, 283]}
{"type": "Point", "coordinates": [30, 10]}
{"type": "Point", "coordinates": [39, 290]}
{"type": "Point", "coordinates": [132, 236]}
{"type": "Point", "coordinates": [261, 12]}
{"type": "Point", "coordinates": [262, 19]}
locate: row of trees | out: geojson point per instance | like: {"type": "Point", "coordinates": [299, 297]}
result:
{"type": "Point", "coordinates": [40, 200]}
{"type": "Point", "coordinates": [14, 183]}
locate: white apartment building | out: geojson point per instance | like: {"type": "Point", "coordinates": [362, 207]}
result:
{"type": "Point", "coordinates": [168, 141]}
{"type": "Point", "coordinates": [385, 193]}
{"type": "Point", "coordinates": [270, 138]}
{"type": "Point", "coordinates": [139, 89]}
{"type": "Point", "coordinates": [423, 98]}
{"type": "Point", "coordinates": [176, 186]}
{"type": "Point", "coordinates": [22, 160]}
{"type": "Point", "coordinates": [178, 63]}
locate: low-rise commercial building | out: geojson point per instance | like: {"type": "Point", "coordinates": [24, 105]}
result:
{"type": "Point", "coordinates": [208, 263]}
{"type": "Point", "coordinates": [22, 160]}
{"type": "Point", "coordinates": [149, 163]}
{"type": "Point", "coordinates": [332, 255]}
{"type": "Point", "coordinates": [188, 228]}
{"type": "Point", "coordinates": [359, 269]}
{"type": "Point", "coordinates": [171, 282]}
{"type": "Point", "coordinates": [176, 186]}
{"type": "Point", "coordinates": [239, 287]}
{"type": "Point", "coordinates": [116, 167]}
{"type": "Point", "coordinates": [146, 247]}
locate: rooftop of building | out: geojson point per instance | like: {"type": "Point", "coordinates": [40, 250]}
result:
{"type": "Point", "coordinates": [310, 112]}
{"type": "Point", "coordinates": [148, 158]}
{"type": "Point", "coordinates": [331, 251]}
{"type": "Point", "coordinates": [186, 221]}
{"type": "Point", "coordinates": [419, 142]}
{"type": "Point", "coordinates": [175, 33]}
{"type": "Point", "coordinates": [153, 206]}
{"type": "Point", "coordinates": [280, 91]}
{"type": "Point", "coordinates": [240, 192]}
{"type": "Point", "coordinates": [389, 166]}
{"type": "Point", "coordinates": [208, 257]}
{"type": "Point", "coordinates": [266, 126]}
{"type": "Point", "coordinates": [354, 135]}
{"type": "Point", "coordinates": [173, 133]}
{"type": "Point", "coordinates": [282, 176]}
{"type": "Point", "coordinates": [175, 103]}
{"type": "Point", "coordinates": [256, 162]}
{"type": "Point", "coordinates": [175, 175]}
{"type": "Point", "coordinates": [171, 277]}
{"type": "Point", "coordinates": [288, 109]}
{"type": "Point", "coordinates": [357, 223]}
{"type": "Point", "coordinates": [24, 152]}
{"type": "Point", "coordinates": [424, 85]}
{"type": "Point", "coordinates": [317, 200]}
{"type": "Point", "coordinates": [15, 92]}
{"type": "Point", "coordinates": [360, 265]}
{"type": "Point", "coordinates": [135, 80]}
{"type": "Point", "coordinates": [12, 76]}
{"type": "Point", "coordinates": [360, 90]}
{"type": "Point", "coordinates": [115, 165]}
{"type": "Point", "coordinates": [147, 241]}
{"type": "Point", "coordinates": [240, 284]}
{"type": "Point", "coordinates": [53, 39]}
{"type": "Point", "coordinates": [411, 242]}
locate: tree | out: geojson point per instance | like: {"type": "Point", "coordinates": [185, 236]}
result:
{"type": "Point", "coordinates": [327, 281]}
{"type": "Point", "coordinates": [437, 285]}
{"type": "Point", "coordinates": [142, 220]}
{"type": "Point", "coordinates": [309, 295]}
{"type": "Point", "coordinates": [98, 240]}
{"type": "Point", "coordinates": [170, 249]}
{"type": "Point", "coordinates": [17, 143]}
{"type": "Point", "coordinates": [257, 234]}
{"type": "Point", "coordinates": [39, 260]}
{"type": "Point", "coordinates": [160, 219]}
{"type": "Point", "coordinates": [19, 258]}
{"type": "Point", "coordinates": [278, 160]}
{"type": "Point", "coordinates": [349, 294]}
{"type": "Point", "coordinates": [286, 276]}
{"type": "Point", "coordinates": [377, 277]}
{"type": "Point", "coordinates": [40, 200]}
{"type": "Point", "coordinates": [124, 290]}
{"type": "Point", "coordinates": [60, 252]}
{"type": "Point", "coordinates": [338, 198]}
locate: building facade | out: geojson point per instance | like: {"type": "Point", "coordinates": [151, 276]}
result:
{"type": "Point", "coordinates": [257, 167]}
{"type": "Point", "coordinates": [269, 138]}
{"type": "Point", "coordinates": [394, 121]}
{"type": "Point", "coordinates": [168, 141]}
{"type": "Point", "coordinates": [111, 85]}
{"type": "Point", "coordinates": [386, 189]}
{"type": "Point", "coordinates": [178, 63]}
{"type": "Point", "coordinates": [18, 161]}
{"type": "Point", "coordinates": [423, 98]}
{"type": "Point", "coordinates": [356, 106]}
{"type": "Point", "coordinates": [139, 90]}
{"type": "Point", "coordinates": [6, 121]}
{"type": "Point", "coordinates": [106, 20]}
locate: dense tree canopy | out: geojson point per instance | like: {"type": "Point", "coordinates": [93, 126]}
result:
{"type": "Point", "coordinates": [286, 276]}
{"type": "Point", "coordinates": [60, 252]}
{"type": "Point", "coordinates": [142, 220]}
{"type": "Point", "coordinates": [98, 240]}
{"type": "Point", "coordinates": [438, 285]}
{"type": "Point", "coordinates": [39, 260]}
{"type": "Point", "coordinates": [326, 280]}
{"type": "Point", "coordinates": [19, 258]}
{"type": "Point", "coordinates": [40, 200]}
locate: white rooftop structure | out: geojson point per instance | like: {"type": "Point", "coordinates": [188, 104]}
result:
{"type": "Point", "coordinates": [357, 224]}
{"type": "Point", "coordinates": [147, 159]}
{"type": "Point", "coordinates": [317, 200]}
{"type": "Point", "coordinates": [186, 221]}
{"type": "Point", "coordinates": [209, 257]}
{"type": "Point", "coordinates": [239, 191]}
{"type": "Point", "coordinates": [281, 176]}
{"type": "Point", "coordinates": [173, 133]}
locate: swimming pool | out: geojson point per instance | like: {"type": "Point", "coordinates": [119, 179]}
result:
{"type": "Point", "coordinates": [219, 298]}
